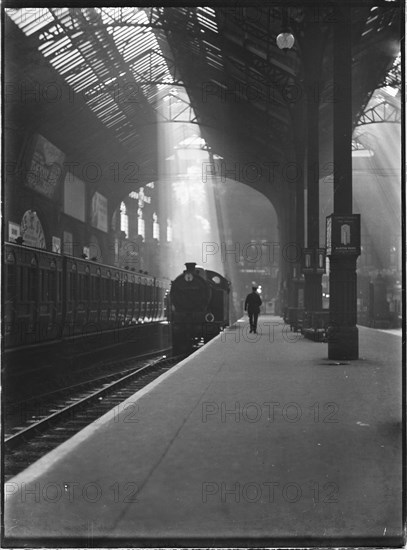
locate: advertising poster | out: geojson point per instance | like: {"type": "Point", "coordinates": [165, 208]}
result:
{"type": "Point", "coordinates": [13, 231]}
{"type": "Point", "coordinates": [74, 197]}
{"type": "Point", "coordinates": [99, 212]}
{"type": "Point", "coordinates": [44, 167]}
{"type": "Point", "coordinates": [31, 230]}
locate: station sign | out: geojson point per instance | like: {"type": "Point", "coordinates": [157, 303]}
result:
{"type": "Point", "coordinates": [343, 235]}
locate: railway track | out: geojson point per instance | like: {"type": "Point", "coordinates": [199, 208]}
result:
{"type": "Point", "coordinates": [49, 389]}
{"type": "Point", "coordinates": [26, 444]}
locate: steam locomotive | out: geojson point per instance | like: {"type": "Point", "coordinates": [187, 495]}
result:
{"type": "Point", "coordinates": [199, 306]}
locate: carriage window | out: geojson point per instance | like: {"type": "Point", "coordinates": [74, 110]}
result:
{"type": "Point", "coordinates": [59, 286]}
{"type": "Point", "coordinates": [23, 284]}
{"type": "Point", "coordinates": [44, 285]}
{"type": "Point", "coordinates": [97, 287]}
{"type": "Point", "coordinates": [116, 289]}
{"type": "Point", "coordinates": [32, 284]}
{"type": "Point", "coordinates": [87, 295]}
{"type": "Point", "coordinates": [52, 285]}
{"type": "Point", "coordinates": [68, 286]}
{"type": "Point", "coordinates": [79, 289]}
{"type": "Point", "coordinates": [11, 282]}
{"type": "Point", "coordinates": [73, 287]}
{"type": "Point", "coordinates": [83, 286]}
{"type": "Point", "coordinates": [109, 290]}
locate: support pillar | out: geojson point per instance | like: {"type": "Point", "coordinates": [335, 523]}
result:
{"type": "Point", "coordinates": [284, 275]}
{"type": "Point", "coordinates": [292, 232]}
{"type": "Point", "coordinates": [343, 338]}
{"type": "Point", "coordinates": [297, 279]}
{"type": "Point", "coordinates": [313, 292]}
{"type": "Point", "coordinates": [313, 59]}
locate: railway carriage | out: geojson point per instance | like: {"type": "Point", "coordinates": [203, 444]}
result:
{"type": "Point", "coordinates": [33, 306]}
{"type": "Point", "coordinates": [50, 296]}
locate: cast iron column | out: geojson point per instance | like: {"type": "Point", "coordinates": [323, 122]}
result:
{"type": "Point", "coordinates": [313, 55]}
{"type": "Point", "coordinates": [299, 204]}
{"type": "Point", "coordinates": [298, 281]}
{"type": "Point", "coordinates": [292, 230]}
{"type": "Point", "coordinates": [342, 333]}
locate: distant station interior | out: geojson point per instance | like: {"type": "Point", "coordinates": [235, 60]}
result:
{"type": "Point", "coordinates": [160, 163]}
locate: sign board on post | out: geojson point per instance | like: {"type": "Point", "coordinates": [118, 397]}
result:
{"type": "Point", "coordinates": [343, 234]}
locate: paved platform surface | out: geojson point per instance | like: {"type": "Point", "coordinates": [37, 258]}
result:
{"type": "Point", "coordinates": [254, 439]}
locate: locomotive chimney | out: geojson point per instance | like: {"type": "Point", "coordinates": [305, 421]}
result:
{"type": "Point", "coordinates": [190, 266]}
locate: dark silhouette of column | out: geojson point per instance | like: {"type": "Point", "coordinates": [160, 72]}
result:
{"type": "Point", "coordinates": [312, 61]}
{"type": "Point", "coordinates": [343, 341]}
{"type": "Point", "coordinates": [297, 280]}
{"type": "Point", "coordinates": [292, 234]}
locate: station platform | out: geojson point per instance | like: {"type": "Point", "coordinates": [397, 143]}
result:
{"type": "Point", "coordinates": [253, 440]}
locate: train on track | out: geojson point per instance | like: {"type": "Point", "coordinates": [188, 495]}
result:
{"type": "Point", "coordinates": [199, 306]}
{"type": "Point", "coordinates": [49, 296]}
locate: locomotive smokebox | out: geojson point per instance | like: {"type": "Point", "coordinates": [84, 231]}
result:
{"type": "Point", "coordinates": [190, 266]}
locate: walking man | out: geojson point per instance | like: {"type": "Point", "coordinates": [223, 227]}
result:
{"type": "Point", "coordinates": [252, 306]}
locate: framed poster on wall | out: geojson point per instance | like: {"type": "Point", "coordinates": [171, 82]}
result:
{"type": "Point", "coordinates": [44, 165]}
{"type": "Point", "coordinates": [14, 231]}
{"type": "Point", "coordinates": [98, 215]}
{"type": "Point", "coordinates": [74, 197]}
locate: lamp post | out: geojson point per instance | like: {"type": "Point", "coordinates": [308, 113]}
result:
{"type": "Point", "coordinates": [311, 48]}
{"type": "Point", "coordinates": [285, 41]}
{"type": "Point", "coordinates": [312, 51]}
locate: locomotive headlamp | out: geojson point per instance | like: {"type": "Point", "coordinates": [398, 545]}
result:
{"type": "Point", "coordinates": [188, 277]}
{"type": "Point", "coordinates": [285, 41]}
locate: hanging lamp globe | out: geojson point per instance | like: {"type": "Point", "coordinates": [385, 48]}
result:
{"type": "Point", "coordinates": [285, 41]}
